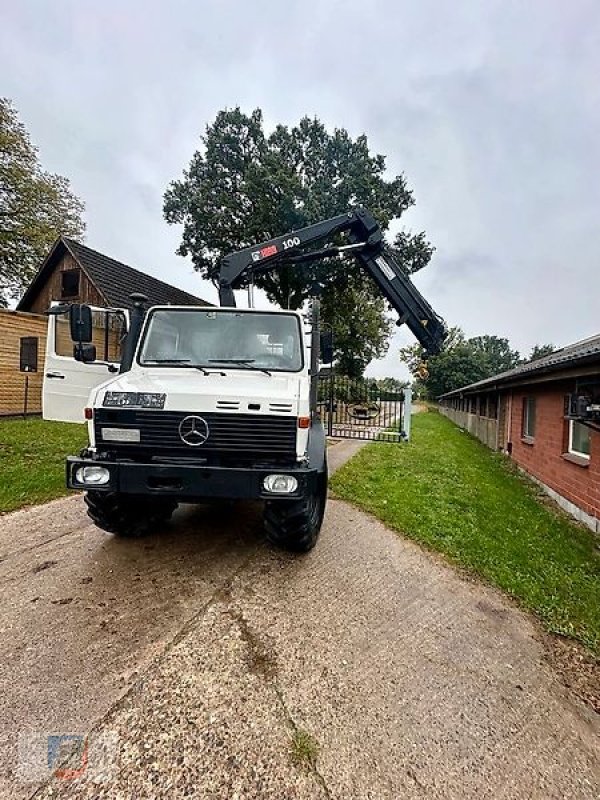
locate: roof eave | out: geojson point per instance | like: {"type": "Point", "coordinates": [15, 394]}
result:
{"type": "Point", "coordinates": [542, 374]}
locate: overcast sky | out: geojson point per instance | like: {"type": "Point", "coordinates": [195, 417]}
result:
{"type": "Point", "coordinates": [491, 109]}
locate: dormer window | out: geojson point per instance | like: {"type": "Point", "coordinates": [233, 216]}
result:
{"type": "Point", "coordinates": [69, 286]}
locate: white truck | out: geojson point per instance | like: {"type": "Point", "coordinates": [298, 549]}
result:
{"type": "Point", "coordinates": [212, 403]}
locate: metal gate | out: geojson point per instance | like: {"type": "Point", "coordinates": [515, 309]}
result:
{"type": "Point", "coordinates": [357, 408]}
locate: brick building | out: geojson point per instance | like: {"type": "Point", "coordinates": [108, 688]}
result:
{"type": "Point", "coordinates": [540, 414]}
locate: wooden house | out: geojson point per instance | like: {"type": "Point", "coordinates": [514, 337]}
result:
{"type": "Point", "coordinates": [70, 273]}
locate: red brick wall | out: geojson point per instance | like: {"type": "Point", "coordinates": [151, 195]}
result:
{"type": "Point", "coordinates": [544, 457]}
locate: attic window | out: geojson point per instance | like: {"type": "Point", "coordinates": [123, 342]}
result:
{"type": "Point", "coordinates": [69, 286]}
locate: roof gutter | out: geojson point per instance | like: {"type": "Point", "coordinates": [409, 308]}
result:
{"type": "Point", "coordinates": [566, 369]}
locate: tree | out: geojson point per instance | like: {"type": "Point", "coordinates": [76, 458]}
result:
{"type": "Point", "coordinates": [413, 355]}
{"type": "Point", "coordinates": [35, 206]}
{"type": "Point", "coordinates": [451, 369]}
{"type": "Point", "coordinates": [245, 186]}
{"type": "Point", "coordinates": [461, 362]}
{"type": "Point", "coordinates": [359, 324]}
{"type": "Point", "coordinates": [540, 351]}
{"type": "Point", "coordinates": [499, 357]}
{"type": "Point", "coordinates": [391, 384]}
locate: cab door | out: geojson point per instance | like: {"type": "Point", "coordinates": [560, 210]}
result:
{"type": "Point", "coordinates": [68, 383]}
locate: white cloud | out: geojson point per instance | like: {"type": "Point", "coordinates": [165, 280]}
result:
{"type": "Point", "coordinates": [491, 109]}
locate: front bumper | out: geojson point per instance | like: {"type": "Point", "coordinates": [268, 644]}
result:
{"type": "Point", "coordinates": [191, 482]}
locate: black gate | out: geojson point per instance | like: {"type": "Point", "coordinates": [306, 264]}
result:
{"type": "Point", "coordinates": [357, 408]}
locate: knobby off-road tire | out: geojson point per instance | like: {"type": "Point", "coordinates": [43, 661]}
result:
{"type": "Point", "coordinates": [127, 516]}
{"type": "Point", "coordinates": [295, 525]}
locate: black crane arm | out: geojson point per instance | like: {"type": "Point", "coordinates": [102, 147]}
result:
{"type": "Point", "coordinates": [367, 245]}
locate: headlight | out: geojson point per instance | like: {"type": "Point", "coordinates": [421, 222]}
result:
{"type": "Point", "coordinates": [280, 484]}
{"type": "Point", "coordinates": [139, 399]}
{"type": "Point", "coordinates": [92, 475]}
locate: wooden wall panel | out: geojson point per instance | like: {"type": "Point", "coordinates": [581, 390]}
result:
{"type": "Point", "coordinates": [13, 326]}
{"type": "Point", "coordinates": [52, 289]}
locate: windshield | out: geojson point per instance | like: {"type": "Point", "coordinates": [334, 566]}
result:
{"type": "Point", "coordinates": [219, 339]}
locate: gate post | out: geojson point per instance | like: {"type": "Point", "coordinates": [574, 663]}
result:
{"type": "Point", "coordinates": [330, 405]}
{"type": "Point", "coordinates": [406, 412]}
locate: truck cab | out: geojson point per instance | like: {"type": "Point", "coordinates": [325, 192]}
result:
{"type": "Point", "coordinates": [215, 404]}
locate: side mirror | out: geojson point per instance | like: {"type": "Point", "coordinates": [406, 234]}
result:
{"type": "Point", "coordinates": [80, 321]}
{"type": "Point", "coordinates": [84, 352]}
{"type": "Point", "coordinates": [326, 346]}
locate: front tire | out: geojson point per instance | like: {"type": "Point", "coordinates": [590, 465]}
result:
{"type": "Point", "coordinates": [127, 516]}
{"type": "Point", "coordinates": [295, 525]}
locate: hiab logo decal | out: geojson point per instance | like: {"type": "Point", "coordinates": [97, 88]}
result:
{"type": "Point", "coordinates": [264, 253]}
{"type": "Point", "coordinates": [193, 430]}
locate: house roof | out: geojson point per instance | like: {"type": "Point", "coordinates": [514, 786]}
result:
{"type": "Point", "coordinates": [572, 355]}
{"type": "Point", "coordinates": [113, 279]}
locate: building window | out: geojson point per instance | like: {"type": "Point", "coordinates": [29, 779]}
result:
{"type": "Point", "coordinates": [28, 354]}
{"type": "Point", "coordinates": [529, 417]}
{"type": "Point", "coordinates": [579, 439]}
{"type": "Point", "coordinates": [69, 286]}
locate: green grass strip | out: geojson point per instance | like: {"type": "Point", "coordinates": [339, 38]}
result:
{"type": "Point", "coordinates": [32, 459]}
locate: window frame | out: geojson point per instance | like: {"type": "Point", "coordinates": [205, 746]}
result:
{"type": "Point", "coordinates": [529, 402]}
{"type": "Point", "coordinates": [70, 272]}
{"type": "Point", "coordinates": [217, 310]}
{"type": "Point", "coordinates": [570, 449]}
{"type": "Point", "coordinates": [34, 343]}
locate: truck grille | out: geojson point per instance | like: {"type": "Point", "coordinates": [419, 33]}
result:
{"type": "Point", "coordinates": [228, 433]}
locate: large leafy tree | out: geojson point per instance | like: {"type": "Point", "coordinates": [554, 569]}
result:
{"type": "Point", "coordinates": [462, 361]}
{"type": "Point", "coordinates": [244, 186]}
{"type": "Point", "coordinates": [540, 351]}
{"type": "Point", "coordinates": [35, 206]}
{"type": "Point", "coordinates": [392, 384]}
{"type": "Point", "coordinates": [497, 352]}
{"type": "Point", "coordinates": [459, 366]}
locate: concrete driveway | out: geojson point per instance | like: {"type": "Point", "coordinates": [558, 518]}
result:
{"type": "Point", "coordinates": [203, 661]}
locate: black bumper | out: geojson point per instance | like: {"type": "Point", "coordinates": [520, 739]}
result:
{"type": "Point", "coordinates": [191, 482]}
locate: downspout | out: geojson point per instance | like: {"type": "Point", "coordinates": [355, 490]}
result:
{"type": "Point", "coordinates": [509, 434]}
{"type": "Point", "coordinates": [497, 421]}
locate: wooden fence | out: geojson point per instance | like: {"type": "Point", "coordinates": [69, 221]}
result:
{"type": "Point", "coordinates": [484, 428]}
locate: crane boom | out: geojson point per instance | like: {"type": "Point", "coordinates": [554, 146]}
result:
{"type": "Point", "coordinates": [366, 244]}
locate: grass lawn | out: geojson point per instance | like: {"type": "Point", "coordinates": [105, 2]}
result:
{"type": "Point", "coordinates": [32, 459]}
{"type": "Point", "coordinates": [449, 492]}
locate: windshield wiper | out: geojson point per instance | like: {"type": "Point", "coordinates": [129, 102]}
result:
{"type": "Point", "coordinates": [167, 360]}
{"type": "Point", "coordinates": [199, 367]}
{"type": "Point", "coordinates": [177, 361]}
{"type": "Point", "coordinates": [241, 362]}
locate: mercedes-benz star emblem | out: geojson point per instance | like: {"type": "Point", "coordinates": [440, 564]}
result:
{"type": "Point", "coordinates": [193, 431]}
